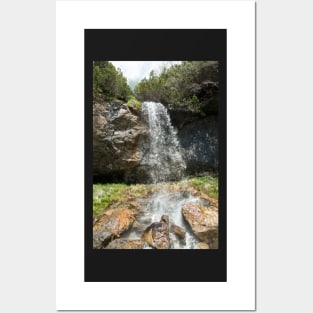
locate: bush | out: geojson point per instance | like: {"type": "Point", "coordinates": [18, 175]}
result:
{"type": "Point", "coordinates": [133, 102]}
{"type": "Point", "coordinates": [109, 82]}
{"type": "Point", "coordinates": [182, 85]}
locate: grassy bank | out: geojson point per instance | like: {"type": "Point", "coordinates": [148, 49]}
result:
{"type": "Point", "coordinates": [107, 195]}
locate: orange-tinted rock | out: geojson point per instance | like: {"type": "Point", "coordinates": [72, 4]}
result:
{"type": "Point", "coordinates": [119, 221]}
{"type": "Point", "coordinates": [203, 221]}
{"type": "Point", "coordinates": [111, 225]}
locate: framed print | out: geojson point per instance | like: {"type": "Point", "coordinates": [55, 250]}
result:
{"type": "Point", "coordinates": [155, 155]}
{"type": "Point", "coordinates": [165, 159]}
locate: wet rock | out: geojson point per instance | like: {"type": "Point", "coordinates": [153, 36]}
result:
{"type": "Point", "coordinates": [138, 227]}
{"type": "Point", "coordinates": [179, 231]}
{"type": "Point", "coordinates": [157, 234]}
{"type": "Point", "coordinates": [145, 219]}
{"type": "Point", "coordinates": [202, 245]}
{"type": "Point", "coordinates": [112, 225]}
{"type": "Point", "coordinates": [101, 238]}
{"type": "Point", "coordinates": [125, 244]}
{"type": "Point", "coordinates": [203, 221]}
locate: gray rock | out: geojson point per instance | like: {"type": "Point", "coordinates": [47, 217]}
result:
{"type": "Point", "coordinates": [101, 239]}
{"type": "Point", "coordinates": [157, 234]}
{"type": "Point", "coordinates": [199, 141]}
{"type": "Point", "coordinates": [179, 231]}
{"type": "Point", "coordinates": [116, 134]}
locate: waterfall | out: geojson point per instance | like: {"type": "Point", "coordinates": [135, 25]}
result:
{"type": "Point", "coordinates": [163, 158]}
{"type": "Point", "coordinates": [163, 161]}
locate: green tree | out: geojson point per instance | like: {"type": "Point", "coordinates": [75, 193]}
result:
{"type": "Point", "coordinates": [185, 85]}
{"type": "Point", "coordinates": [109, 82]}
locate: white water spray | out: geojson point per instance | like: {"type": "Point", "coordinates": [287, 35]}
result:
{"type": "Point", "coordinates": [163, 159]}
{"type": "Point", "coordinates": [164, 162]}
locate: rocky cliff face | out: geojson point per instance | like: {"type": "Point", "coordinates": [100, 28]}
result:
{"type": "Point", "coordinates": [117, 130]}
{"type": "Point", "coordinates": [200, 143]}
{"type": "Point", "coordinates": [120, 139]}
{"type": "Point", "coordinates": [198, 136]}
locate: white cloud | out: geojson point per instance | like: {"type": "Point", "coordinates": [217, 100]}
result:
{"type": "Point", "coordinates": [137, 70]}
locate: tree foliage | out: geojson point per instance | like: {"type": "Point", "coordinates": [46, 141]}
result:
{"type": "Point", "coordinates": [109, 82]}
{"type": "Point", "coordinates": [189, 85]}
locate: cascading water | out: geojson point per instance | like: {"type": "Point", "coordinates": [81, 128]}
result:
{"type": "Point", "coordinates": [164, 162]}
{"type": "Point", "coordinates": [163, 159]}
{"type": "Point", "coordinates": [170, 204]}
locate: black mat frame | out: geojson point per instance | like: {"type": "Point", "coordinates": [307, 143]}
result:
{"type": "Point", "coordinates": [152, 265]}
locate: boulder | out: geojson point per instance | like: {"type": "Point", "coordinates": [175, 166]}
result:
{"type": "Point", "coordinates": [119, 221]}
{"type": "Point", "coordinates": [111, 225]}
{"type": "Point", "coordinates": [203, 221]}
{"type": "Point", "coordinates": [179, 231]}
{"type": "Point", "coordinates": [157, 234]}
{"type": "Point", "coordinates": [125, 244]}
{"type": "Point", "coordinates": [202, 245]}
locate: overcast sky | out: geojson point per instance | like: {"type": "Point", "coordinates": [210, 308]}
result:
{"type": "Point", "coordinates": [137, 70]}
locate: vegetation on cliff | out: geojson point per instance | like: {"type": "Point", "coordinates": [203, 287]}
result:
{"type": "Point", "coordinates": [191, 85]}
{"type": "Point", "coordinates": [188, 85]}
{"type": "Point", "coordinates": [109, 82]}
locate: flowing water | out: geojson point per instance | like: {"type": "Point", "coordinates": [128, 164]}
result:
{"type": "Point", "coordinates": [163, 158]}
{"type": "Point", "coordinates": [164, 162]}
{"type": "Point", "coordinates": [170, 204]}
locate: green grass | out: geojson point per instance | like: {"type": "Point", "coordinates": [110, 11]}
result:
{"type": "Point", "coordinates": [207, 184]}
{"type": "Point", "coordinates": [105, 195]}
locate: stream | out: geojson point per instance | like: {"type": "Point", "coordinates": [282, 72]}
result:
{"type": "Point", "coordinates": [165, 162]}
{"type": "Point", "coordinates": [170, 204]}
